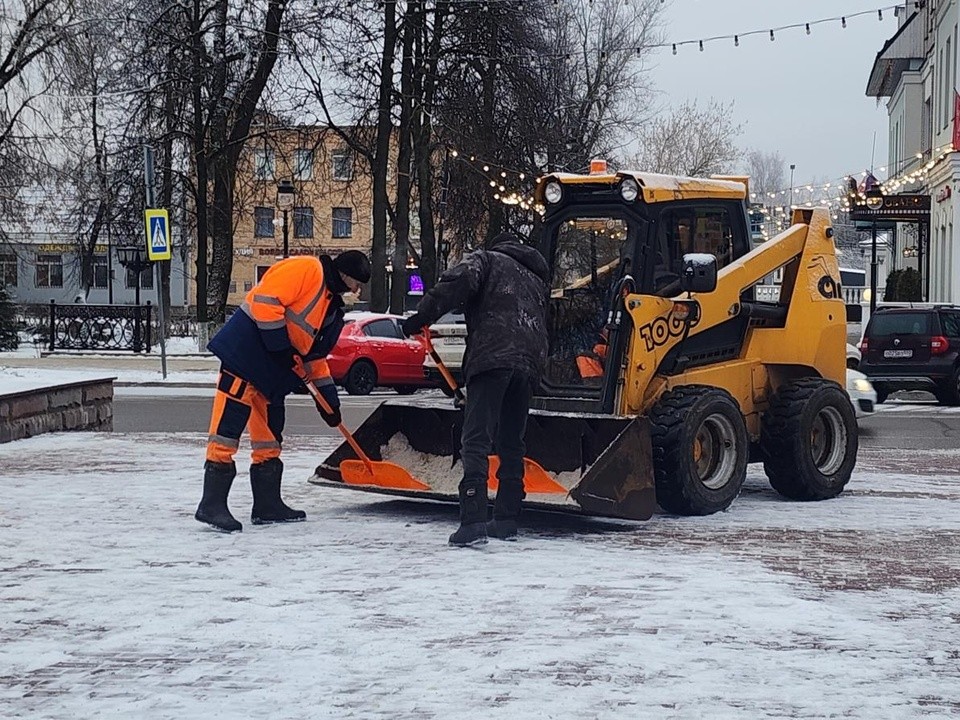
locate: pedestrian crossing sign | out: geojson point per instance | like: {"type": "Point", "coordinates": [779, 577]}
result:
{"type": "Point", "coordinates": [158, 234]}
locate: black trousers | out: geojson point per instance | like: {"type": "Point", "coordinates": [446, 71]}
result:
{"type": "Point", "coordinates": [494, 421]}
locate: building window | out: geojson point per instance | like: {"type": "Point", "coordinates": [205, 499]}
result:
{"type": "Point", "coordinates": [101, 271]}
{"type": "Point", "coordinates": [342, 165]}
{"type": "Point", "coordinates": [49, 271]}
{"type": "Point", "coordinates": [303, 222]}
{"type": "Point", "coordinates": [303, 164]}
{"type": "Point", "coordinates": [263, 222]}
{"type": "Point", "coordinates": [261, 271]}
{"type": "Point", "coordinates": [342, 222]}
{"type": "Point", "coordinates": [264, 164]}
{"type": "Point", "coordinates": [233, 287]}
{"type": "Point", "coordinates": [8, 270]}
{"type": "Point", "coordinates": [247, 286]}
{"type": "Point", "coordinates": [146, 278]}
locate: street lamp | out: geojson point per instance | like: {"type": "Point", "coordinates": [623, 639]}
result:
{"type": "Point", "coordinates": [792, 168]}
{"type": "Point", "coordinates": [874, 200]}
{"type": "Point", "coordinates": [133, 258]}
{"type": "Point", "coordinates": [285, 202]}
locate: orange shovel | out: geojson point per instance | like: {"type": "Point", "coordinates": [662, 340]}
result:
{"type": "Point", "coordinates": [535, 478]}
{"type": "Point", "coordinates": [366, 471]}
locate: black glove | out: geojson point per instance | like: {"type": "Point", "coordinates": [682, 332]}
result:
{"type": "Point", "coordinates": [329, 393]}
{"type": "Point", "coordinates": [412, 325]}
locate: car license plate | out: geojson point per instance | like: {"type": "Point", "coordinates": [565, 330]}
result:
{"type": "Point", "coordinates": [897, 353]}
{"type": "Point", "coordinates": [453, 341]}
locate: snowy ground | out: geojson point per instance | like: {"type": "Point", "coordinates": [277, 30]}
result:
{"type": "Point", "coordinates": [115, 603]}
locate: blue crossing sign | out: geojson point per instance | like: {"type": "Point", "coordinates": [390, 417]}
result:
{"type": "Point", "coordinates": [158, 234]}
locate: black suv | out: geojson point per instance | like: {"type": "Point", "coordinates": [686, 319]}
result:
{"type": "Point", "coordinates": [914, 348]}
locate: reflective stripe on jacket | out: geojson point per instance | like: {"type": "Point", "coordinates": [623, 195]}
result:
{"type": "Point", "coordinates": [290, 309]}
{"type": "Point", "coordinates": [289, 304]}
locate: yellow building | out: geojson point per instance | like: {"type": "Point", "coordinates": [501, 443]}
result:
{"type": "Point", "coordinates": [331, 210]}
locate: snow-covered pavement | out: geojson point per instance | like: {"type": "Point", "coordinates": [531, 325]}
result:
{"type": "Point", "coordinates": [115, 603]}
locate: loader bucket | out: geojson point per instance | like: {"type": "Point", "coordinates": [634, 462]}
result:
{"type": "Point", "coordinates": [604, 461]}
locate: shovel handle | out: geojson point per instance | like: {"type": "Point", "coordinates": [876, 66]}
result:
{"type": "Point", "coordinates": [457, 392]}
{"type": "Point", "coordinates": [348, 436]}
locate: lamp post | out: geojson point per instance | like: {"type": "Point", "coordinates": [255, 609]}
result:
{"type": "Point", "coordinates": [285, 202]}
{"type": "Point", "coordinates": [792, 168]}
{"type": "Point", "coordinates": [134, 258]}
{"type": "Point", "coordinates": [874, 200]}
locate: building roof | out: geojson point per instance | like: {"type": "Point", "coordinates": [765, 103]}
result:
{"type": "Point", "coordinates": [895, 58]}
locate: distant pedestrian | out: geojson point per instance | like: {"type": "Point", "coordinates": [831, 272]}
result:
{"type": "Point", "coordinates": [286, 327]}
{"type": "Point", "coordinates": [503, 292]}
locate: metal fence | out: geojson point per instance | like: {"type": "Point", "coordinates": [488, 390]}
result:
{"type": "Point", "coordinates": [100, 327]}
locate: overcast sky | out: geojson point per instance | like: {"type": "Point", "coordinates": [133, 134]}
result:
{"type": "Point", "coordinates": [800, 95]}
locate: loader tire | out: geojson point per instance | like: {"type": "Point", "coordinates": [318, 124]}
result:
{"type": "Point", "coordinates": [809, 441]}
{"type": "Point", "coordinates": [700, 450]}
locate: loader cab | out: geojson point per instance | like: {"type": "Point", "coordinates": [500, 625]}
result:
{"type": "Point", "coordinates": [598, 244]}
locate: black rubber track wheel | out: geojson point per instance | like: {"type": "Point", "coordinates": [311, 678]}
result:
{"type": "Point", "coordinates": [700, 450]}
{"type": "Point", "coordinates": [405, 389]}
{"type": "Point", "coordinates": [361, 378]}
{"type": "Point", "coordinates": [809, 439]}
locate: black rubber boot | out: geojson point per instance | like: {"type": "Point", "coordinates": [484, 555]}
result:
{"type": "Point", "coordinates": [506, 508]}
{"type": "Point", "coordinates": [473, 516]}
{"type": "Point", "coordinates": [213, 510]}
{"type": "Point", "coordinates": [267, 505]}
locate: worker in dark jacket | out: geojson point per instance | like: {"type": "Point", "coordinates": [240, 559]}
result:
{"type": "Point", "coordinates": [503, 292]}
{"type": "Point", "coordinates": [281, 335]}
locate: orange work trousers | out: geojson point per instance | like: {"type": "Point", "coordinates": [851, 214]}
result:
{"type": "Point", "coordinates": [238, 405]}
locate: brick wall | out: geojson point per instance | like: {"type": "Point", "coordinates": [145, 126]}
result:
{"type": "Point", "coordinates": [84, 405]}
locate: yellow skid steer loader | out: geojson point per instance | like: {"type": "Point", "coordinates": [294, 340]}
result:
{"type": "Point", "coordinates": [666, 372]}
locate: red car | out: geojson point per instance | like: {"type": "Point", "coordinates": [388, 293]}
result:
{"type": "Point", "coordinates": [372, 352]}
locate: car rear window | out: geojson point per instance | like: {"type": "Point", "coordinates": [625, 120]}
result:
{"type": "Point", "coordinates": [905, 323]}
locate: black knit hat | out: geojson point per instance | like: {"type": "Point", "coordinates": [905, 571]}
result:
{"type": "Point", "coordinates": [355, 264]}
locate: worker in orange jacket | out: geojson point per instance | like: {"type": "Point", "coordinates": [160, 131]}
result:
{"type": "Point", "coordinates": [281, 335]}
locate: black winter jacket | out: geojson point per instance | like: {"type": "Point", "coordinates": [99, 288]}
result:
{"type": "Point", "coordinates": [503, 294]}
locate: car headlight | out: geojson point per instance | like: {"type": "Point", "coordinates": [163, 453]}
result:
{"type": "Point", "coordinates": [629, 189]}
{"type": "Point", "coordinates": [861, 385]}
{"type": "Point", "coordinates": [553, 192]}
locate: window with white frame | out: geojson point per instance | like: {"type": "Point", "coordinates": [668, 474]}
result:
{"type": "Point", "coordinates": [264, 164]}
{"type": "Point", "coordinates": [342, 165]}
{"type": "Point", "coordinates": [49, 271]}
{"type": "Point", "coordinates": [303, 164]}
{"type": "Point", "coordinates": [8, 270]}
{"type": "Point", "coordinates": [303, 222]}
{"type": "Point", "coordinates": [263, 222]}
{"type": "Point", "coordinates": [342, 222]}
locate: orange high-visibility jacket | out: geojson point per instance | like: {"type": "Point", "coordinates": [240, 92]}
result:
{"type": "Point", "coordinates": [289, 306]}
{"type": "Point", "coordinates": [291, 310]}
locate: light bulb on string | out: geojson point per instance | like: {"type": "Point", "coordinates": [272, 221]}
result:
{"type": "Point", "coordinates": [808, 28]}
{"type": "Point", "coordinates": [701, 46]}
{"type": "Point", "coordinates": [674, 48]}
{"type": "Point", "coordinates": [843, 22]}
{"type": "Point", "coordinates": [736, 41]}
{"type": "Point", "coordinates": [772, 38]}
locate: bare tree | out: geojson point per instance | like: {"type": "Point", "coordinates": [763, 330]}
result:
{"type": "Point", "coordinates": [765, 170]}
{"type": "Point", "coordinates": [690, 140]}
{"type": "Point", "coordinates": [29, 30]}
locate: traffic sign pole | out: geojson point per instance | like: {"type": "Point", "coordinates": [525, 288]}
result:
{"type": "Point", "coordinates": [150, 178]}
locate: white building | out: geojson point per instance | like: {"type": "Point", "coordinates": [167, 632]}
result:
{"type": "Point", "coordinates": [916, 70]}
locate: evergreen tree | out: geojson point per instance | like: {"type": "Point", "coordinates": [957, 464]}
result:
{"type": "Point", "coordinates": [9, 340]}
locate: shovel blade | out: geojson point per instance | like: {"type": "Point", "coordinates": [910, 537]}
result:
{"type": "Point", "coordinates": [535, 478]}
{"type": "Point", "coordinates": [384, 475]}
